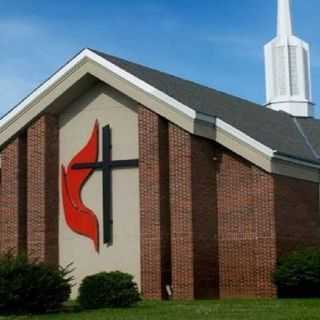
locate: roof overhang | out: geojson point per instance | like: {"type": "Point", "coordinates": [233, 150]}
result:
{"type": "Point", "coordinates": [45, 97]}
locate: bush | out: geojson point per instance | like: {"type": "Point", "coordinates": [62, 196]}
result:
{"type": "Point", "coordinates": [113, 289]}
{"type": "Point", "coordinates": [31, 287]}
{"type": "Point", "coordinates": [298, 274]}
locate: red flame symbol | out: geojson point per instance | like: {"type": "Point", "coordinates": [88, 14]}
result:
{"type": "Point", "coordinates": [79, 218]}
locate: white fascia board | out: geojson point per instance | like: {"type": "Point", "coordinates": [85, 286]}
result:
{"type": "Point", "coordinates": [86, 53]}
{"type": "Point", "coordinates": [141, 84]}
{"type": "Point", "coordinates": [245, 138]}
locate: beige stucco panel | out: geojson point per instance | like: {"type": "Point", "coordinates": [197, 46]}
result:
{"type": "Point", "coordinates": [76, 124]}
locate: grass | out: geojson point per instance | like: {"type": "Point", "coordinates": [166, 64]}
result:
{"type": "Point", "coordinates": [198, 310]}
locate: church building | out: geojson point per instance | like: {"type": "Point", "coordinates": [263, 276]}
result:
{"type": "Point", "coordinates": [111, 165]}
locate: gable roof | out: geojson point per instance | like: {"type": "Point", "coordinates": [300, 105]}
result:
{"type": "Point", "coordinates": [275, 134]}
{"type": "Point", "coordinates": [275, 129]}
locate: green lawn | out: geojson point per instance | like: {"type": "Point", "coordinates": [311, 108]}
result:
{"type": "Point", "coordinates": [217, 310]}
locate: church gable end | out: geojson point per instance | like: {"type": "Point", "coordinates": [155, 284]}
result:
{"type": "Point", "coordinates": [195, 217]}
{"type": "Point", "coordinates": [111, 165]}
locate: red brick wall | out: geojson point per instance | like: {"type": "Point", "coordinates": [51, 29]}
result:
{"type": "Point", "coordinates": [205, 224]}
{"type": "Point", "coordinates": [182, 248]}
{"type": "Point", "coordinates": [260, 217]}
{"type": "Point", "coordinates": [265, 253]}
{"type": "Point", "coordinates": [193, 216]}
{"type": "Point", "coordinates": [154, 204]}
{"type": "Point", "coordinates": [297, 214]}
{"type": "Point", "coordinates": [229, 219]}
{"type": "Point", "coordinates": [246, 227]}
{"type": "Point", "coordinates": [13, 197]}
{"type": "Point", "coordinates": [212, 224]}
{"type": "Point", "coordinates": [42, 189]}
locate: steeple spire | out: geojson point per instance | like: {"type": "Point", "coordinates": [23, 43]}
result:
{"type": "Point", "coordinates": [284, 18]}
{"type": "Point", "coordinates": [287, 60]}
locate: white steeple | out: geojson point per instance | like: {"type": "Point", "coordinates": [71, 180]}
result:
{"type": "Point", "coordinates": [284, 19]}
{"type": "Point", "coordinates": [287, 60]}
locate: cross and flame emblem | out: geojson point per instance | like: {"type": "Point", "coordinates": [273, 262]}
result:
{"type": "Point", "coordinates": [79, 218]}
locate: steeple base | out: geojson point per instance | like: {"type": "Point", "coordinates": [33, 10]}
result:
{"type": "Point", "coordinates": [294, 108]}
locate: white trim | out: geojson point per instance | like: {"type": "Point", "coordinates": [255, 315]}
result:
{"type": "Point", "coordinates": [245, 138]}
{"type": "Point", "coordinates": [141, 84]}
{"type": "Point", "coordinates": [86, 53]}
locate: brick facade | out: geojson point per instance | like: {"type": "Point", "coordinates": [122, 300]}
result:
{"type": "Point", "coordinates": [42, 189]}
{"type": "Point", "coordinates": [229, 220]}
{"type": "Point", "coordinates": [212, 224]}
{"type": "Point", "coordinates": [246, 227]}
{"type": "Point", "coordinates": [194, 244]}
{"type": "Point", "coordinates": [296, 214]}
{"type": "Point", "coordinates": [13, 197]}
{"type": "Point", "coordinates": [260, 217]}
{"type": "Point", "coordinates": [182, 243]}
{"type": "Point", "coordinates": [154, 204]}
{"type": "Point", "coordinates": [205, 223]}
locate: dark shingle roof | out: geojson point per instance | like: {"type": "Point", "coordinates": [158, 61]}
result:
{"type": "Point", "coordinates": [277, 130]}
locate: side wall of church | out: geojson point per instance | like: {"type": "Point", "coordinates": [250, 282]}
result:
{"type": "Point", "coordinates": [261, 217]}
{"type": "Point", "coordinates": [230, 220]}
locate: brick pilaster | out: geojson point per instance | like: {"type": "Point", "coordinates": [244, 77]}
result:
{"type": "Point", "coordinates": [181, 213]}
{"type": "Point", "coordinates": [205, 224]}
{"type": "Point", "coordinates": [154, 204]}
{"type": "Point", "coordinates": [42, 189]}
{"type": "Point", "coordinates": [193, 198]}
{"type": "Point", "coordinates": [266, 233]}
{"type": "Point", "coordinates": [13, 196]}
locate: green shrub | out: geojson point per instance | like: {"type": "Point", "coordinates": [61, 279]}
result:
{"type": "Point", "coordinates": [31, 287]}
{"type": "Point", "coordinates": [103, 290]}
{"type": "Point", "coordinates": [298, 274]}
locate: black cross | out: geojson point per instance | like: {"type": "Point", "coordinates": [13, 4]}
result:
{"type": "Point", "coordinates": [106, 165]}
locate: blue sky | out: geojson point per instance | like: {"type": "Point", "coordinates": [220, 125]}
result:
{"type": "Point", "coordinates": [214, 42]}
